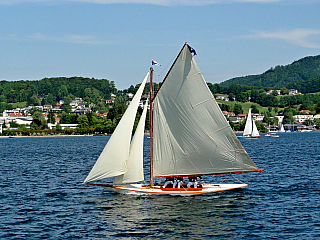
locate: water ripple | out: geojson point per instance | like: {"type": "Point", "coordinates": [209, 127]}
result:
{"type": "Point", "coordinates": [42, 196]}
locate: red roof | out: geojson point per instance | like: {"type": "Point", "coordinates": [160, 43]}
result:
{"type": "Point", "coordinates": [306, 111]}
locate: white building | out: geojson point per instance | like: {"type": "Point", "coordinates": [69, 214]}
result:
{"type": "Point", "coordinates": [293, 92]}
{"type": "Point", "coordinates": [224, 98]}
{"type": "Point", "coordinates": [130, 95]}
{"type": "Point", "coordinates": [280, 119]}
{"type": "Point", "coordinates": [302, 118]}
{"type": "Point", "coordinates": [63, 126]}
{"type": "Point", "coordinates": [257, 117]}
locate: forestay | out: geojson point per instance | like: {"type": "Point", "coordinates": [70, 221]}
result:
{"type": "Point", "coordinates": [113, 159]}
{"type": "Point", "coordinates": [190, 134]}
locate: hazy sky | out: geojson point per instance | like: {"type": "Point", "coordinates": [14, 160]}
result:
{"type": "Point", "coordinates": [116, 40]}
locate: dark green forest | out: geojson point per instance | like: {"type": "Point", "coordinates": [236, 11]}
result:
{"type": "Point", "coordinates": [296, 75]}
{"type": "Point", "coordinates": [58, 88]}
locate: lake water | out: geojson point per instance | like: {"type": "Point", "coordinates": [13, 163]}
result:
{"type": "Point", "coordinates": [41, 195]}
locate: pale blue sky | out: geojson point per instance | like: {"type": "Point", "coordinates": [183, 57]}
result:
{"type": "Point", "coordinates": [116, 40]}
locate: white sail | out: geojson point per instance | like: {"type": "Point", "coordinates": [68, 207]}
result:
{"type": "Point", "coordinates": [248, 127]}
{"type": "Point", "coordinates": [282, 128]}
{"type": "Point", "coordinates": [112, 161]}
{"type": "Point", "coordinates": [190, 134]}
{"type": "Point", "coordinates": [135, 162]}
{"type": "Point", "coordinates": [255, 131]}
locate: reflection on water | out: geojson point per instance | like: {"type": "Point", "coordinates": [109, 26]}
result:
{"type": "Point", "coordinates": [166, 216]}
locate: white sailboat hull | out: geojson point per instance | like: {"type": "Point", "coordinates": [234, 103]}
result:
{"type": "Point", "coordinates": [141, 189]}
{"type": "Point", "coordinates": [248, 136]}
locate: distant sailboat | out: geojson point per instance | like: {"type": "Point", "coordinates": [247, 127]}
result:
{"type": "Point", "coordinates": [250, 129]}
{"type": "Point", "coordinates": [282, 128]}
{"type": "Point", "coordinates": [189, 137]}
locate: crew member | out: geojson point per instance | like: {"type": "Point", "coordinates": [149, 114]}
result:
{"type": "Point", "coordinates": [192, 181]}
{"type": "Point", "coordinates": [179, 181]}
{"type": "Point", "coordinates": [168, 181]}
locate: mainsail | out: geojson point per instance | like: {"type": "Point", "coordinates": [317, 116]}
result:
{"type": "Point", "coordinates": [113, 159]}
{"type": "Point", "coordinates": [135, 162]}
{"type": "Point", "coordinates": [190, 134]}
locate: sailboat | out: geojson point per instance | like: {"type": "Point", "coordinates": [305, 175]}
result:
{"type": "Point", "coordinates": [282, 128]}
{"type": "Point", "coordinates": [189, 137]}
{"type": "Point", "coordinates": [250, 129]}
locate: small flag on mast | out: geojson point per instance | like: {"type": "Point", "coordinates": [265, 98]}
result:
{"type": "Point", "coordinates": [155, 63]}
{"type": "Point", "coordinates": [192, 50]}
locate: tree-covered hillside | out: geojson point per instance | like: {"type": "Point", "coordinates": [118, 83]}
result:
{"type": "Point", "coordinates": [57, 88]}
{"type": "Point", "coordinates": [298, 72]}
{"type": "Point", "coordinates": [306, 86]}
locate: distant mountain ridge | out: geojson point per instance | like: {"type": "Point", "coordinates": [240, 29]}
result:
{"type": "Point", "coordinates": [305, 69]}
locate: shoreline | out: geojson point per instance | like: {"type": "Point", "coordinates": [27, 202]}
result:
{"type": "Point", "coordinates": [46, 136]}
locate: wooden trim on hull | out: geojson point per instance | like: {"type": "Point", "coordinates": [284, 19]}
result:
{"type": "Point", "coordinates": [146, 189]}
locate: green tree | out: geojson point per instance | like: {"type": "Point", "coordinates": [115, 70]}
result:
{"type": "Point", "coordinates": [33, 101]}
{"type": "Point", "coordinates": [83, 121]}
{"type": "Point", "coordinates": [317, 108]}
{"type": "Point", "coordinates": [51, 117]}
{"type": "Point", "coordinates": [38, 121]}
{"type": "Point", "coordinates": [261, 127]}
{"type": "Point", "coordinates": [66, 108]}
{"type": "Point", "coordinates": [254, 108]}
{"type": "Point", "coordinates": [308, 122]}
{"type": "Point", "coordinates": [58, 127]}
{"type": "Point", "coordinates": [231, 97]}
{"type": "Point", "coordinates": [50, 99]}
{"type": "Point", "coordinates": [63, 91]}
{"type": "Point", "coordinates": [90, 118]}
{"type": "Point", "coordinates": [3, 98]}
{"type": "Point", "coordinates": [284, 91]}
{"type": "Point", "coordinates": [237, 109]}
{"type": "Point", "coordinates": [317, 122]}
{"type": "Point", "coordinates": [288, 117]}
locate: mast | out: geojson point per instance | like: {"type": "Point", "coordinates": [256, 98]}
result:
{"type": "Point", "coordinates": [151, 129]}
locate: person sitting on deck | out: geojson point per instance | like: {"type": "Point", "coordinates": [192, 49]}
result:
{"type": "Point", "coordinates": [179, 181]}
{"type": "Point", "coordinates": [168, 181]}
{"type": "Point", "coordinates": [192, 181]}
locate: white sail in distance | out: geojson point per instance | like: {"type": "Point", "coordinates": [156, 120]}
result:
{"type": "Point", "coordinates": [135, 162]}
{"type": "Point", "coordinates": [255, 131]}
{"type": "Point", "coordinates": [190, 134]}
{"type": "Point", "coordinates": [248, 127]}
{"type": "Point", "coordinates": [113, 159]}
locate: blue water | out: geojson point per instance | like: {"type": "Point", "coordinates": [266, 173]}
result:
{"type": "Point", "coordinates": [41, 195]}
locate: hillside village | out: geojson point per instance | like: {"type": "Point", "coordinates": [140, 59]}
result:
{"type": "Point", "coordinates": [22, 116]}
